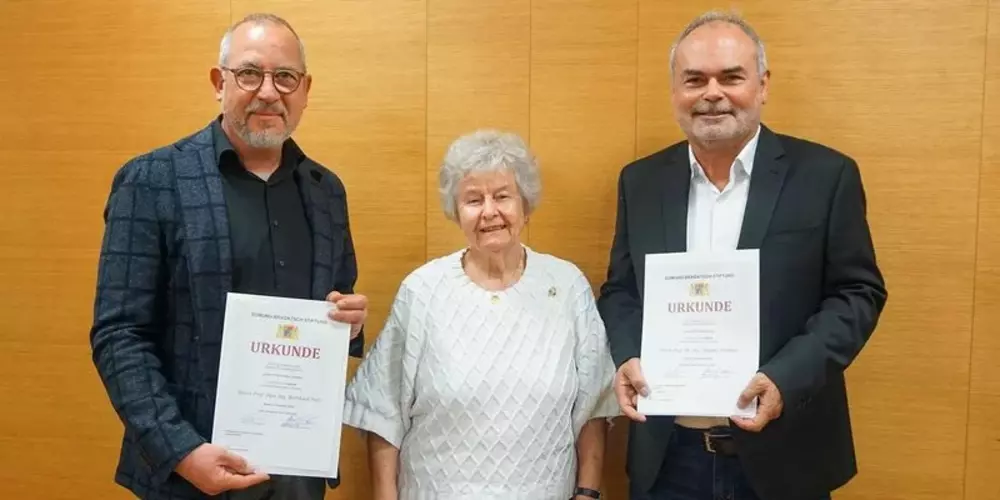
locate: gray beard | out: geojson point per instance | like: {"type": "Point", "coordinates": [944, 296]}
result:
{"type": "Point", "coordinates": [266, 139]}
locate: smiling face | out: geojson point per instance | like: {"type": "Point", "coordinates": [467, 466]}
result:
{"type": "Point", "coordinates": [264, 117]}
{"type": "Point", "coordinates": [490, 210]}
{"type": "Point", "coordinates": [718, 91]}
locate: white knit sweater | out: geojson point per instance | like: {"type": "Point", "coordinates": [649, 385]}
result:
{"type": "Point", "coordinates": [485, 392]}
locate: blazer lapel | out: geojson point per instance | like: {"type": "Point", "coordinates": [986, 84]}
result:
{"type": "Point", "coordinates": [675, 186]}
{"type": "Point", "coordinates": [317, 206]}
{"type": "Point", "coordinates": [206, 234]}
{"type": "Point", "coordinates": [766, 180]}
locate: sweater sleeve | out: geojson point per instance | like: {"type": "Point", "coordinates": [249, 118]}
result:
{"type": "Point", "coordinates": [595, 368]}
{"type": "Point", "coordinates": [380, 396]}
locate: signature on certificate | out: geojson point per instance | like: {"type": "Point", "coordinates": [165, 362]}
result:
{"type": "Point", "coordinates": [715, 373]}
{"type": "Point", "coordinates": [297, 422]}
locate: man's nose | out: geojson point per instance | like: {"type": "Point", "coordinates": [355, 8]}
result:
{"type": "Point", "coordinates": [713, 91]}
{"type": "Point", "coordinates": [268, 92]}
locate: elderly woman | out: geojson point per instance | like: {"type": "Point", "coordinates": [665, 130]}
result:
{"type": "Point", "coordinates": [491, 378]}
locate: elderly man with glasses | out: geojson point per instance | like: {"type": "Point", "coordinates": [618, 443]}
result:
{"type": "Point", "coordinates": [235, 207]}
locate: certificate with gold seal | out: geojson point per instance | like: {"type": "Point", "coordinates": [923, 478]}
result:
{"type": "Point", "coordinates": [700, 332]}
{"type": "Point", "coordinates": [280, 396]}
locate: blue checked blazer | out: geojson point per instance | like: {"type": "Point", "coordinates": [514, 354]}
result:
{"type": "Point", "coordinates": [165, 268]}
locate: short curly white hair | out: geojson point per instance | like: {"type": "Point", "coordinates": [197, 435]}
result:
{"type": "Point", "coordinates": [483, 151]}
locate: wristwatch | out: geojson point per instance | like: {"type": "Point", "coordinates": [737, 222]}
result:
{"type": "Point", "coordinates": [586, 492]}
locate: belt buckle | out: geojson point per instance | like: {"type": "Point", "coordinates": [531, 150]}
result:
{"type": "Point", "coordinates": [707, 436]}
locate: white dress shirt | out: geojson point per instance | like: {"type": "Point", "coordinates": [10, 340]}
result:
{"type": "Point", "coordinates": [714, 221]}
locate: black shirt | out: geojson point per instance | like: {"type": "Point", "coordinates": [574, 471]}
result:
{"type": "Point", "coordinates": [269, 233]}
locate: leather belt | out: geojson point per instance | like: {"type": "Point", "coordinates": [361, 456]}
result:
{"type": "Point", "coordinates": [719, 440]}
{"type": "Point", "coordinates": [716, 440]}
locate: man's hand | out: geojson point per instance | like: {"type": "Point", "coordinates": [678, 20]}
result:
{"type": "Point", "coordinates": [352, 309]}
{"type": "Point", "coordinates": [213, 470]}
{"type": "Point", "coordinates": [629, 384]}
{"type": "Point", "coordinates": [769, 406]}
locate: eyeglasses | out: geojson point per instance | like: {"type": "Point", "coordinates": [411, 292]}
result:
{"type": "Point", "coordinates": [250, 79]}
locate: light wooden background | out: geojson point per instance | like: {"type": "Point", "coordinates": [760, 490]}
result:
{"type": "Point", "coordinates": [911, 88]}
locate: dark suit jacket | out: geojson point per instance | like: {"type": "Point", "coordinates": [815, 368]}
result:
{"type": "Point", "coordinates": [821, 294]}
{"type": "Point", "coordinates": [165, 268]}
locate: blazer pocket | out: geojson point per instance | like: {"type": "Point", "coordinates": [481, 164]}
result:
{"type": "Point", "coordinates": [796, 229]}
{"type": "Point", "coordinates": [792, 234]}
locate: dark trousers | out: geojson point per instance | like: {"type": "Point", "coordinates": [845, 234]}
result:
{"type": "Point", "coordinates": [691, 472]}
{"type": "Point", "coordinates": [283, 488]}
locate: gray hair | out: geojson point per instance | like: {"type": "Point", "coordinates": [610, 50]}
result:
{"type": "Point", "coordinates": [483, 151]}
{"type": "Point", "coordinates": [258, 19]}
{"type": "Point", "coordinates": [724, 17]}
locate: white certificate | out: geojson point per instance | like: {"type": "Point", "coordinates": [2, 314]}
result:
{"type": "Point", "coordinates": [280, 395]}
{"type": "Point", "coordinates": [700, 332]}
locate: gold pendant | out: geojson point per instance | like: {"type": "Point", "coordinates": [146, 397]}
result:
{"type": "Point", "coordinates": [495, 299]}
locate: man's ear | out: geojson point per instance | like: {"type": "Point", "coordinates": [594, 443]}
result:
{"type": "Point", "coordinates": [218, 80]}
{"type": "Point", "coordinates": [765, 85]}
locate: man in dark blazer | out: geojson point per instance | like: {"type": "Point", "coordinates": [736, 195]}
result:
{"type": "Point", "coordinates": [235, 207]}
{"type": "Point", "coordinates": [735, 184]}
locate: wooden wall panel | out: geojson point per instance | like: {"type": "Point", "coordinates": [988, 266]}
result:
{"type": "Point", "coordinates": [840, 78]}
{"type": "Point", "coordinates": [366, 121]}
{"type": "Point", "coordinates": [659, 24]}
{"type": "Point", "coordinates": [73, 114]}
{"type": "Point", "coordinates": [583, 64]}
{"type": "Point", "coordinates": [477, 77]}
{"type": "Point", "coordinates": [983, 453]}
{"type": "Point", "coordinates": [582, 122]}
